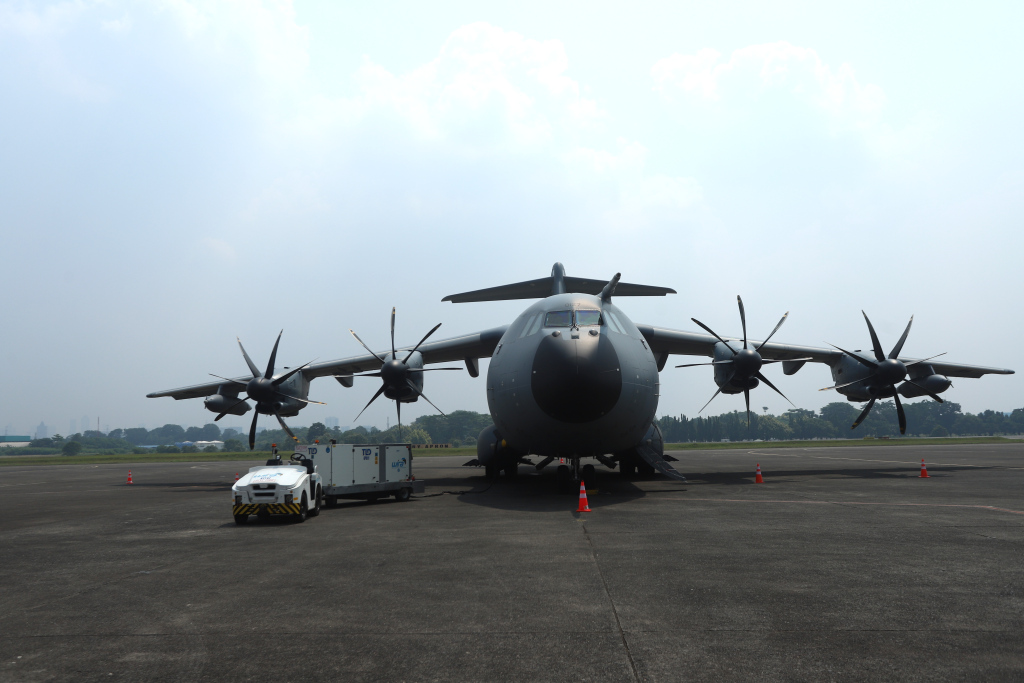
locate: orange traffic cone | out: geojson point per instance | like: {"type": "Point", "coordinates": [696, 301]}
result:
{"type": "Point", "coordinates": [236, 476]}
{"type": "Point", "coordinates": [129, 476]}
{"type": "Point", "coordinates": [583, 499]}
{"type": "Point", "coordinates": [924, 471]}
{"type": "Point", "coordinates": [758, 479]}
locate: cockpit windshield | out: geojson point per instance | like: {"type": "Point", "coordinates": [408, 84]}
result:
{"type": "Point", "coordinates": [584, 318]}
{"type": "Point", "coordinates": [558, 319]}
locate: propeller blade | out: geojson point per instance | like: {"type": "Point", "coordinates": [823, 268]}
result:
{"type": "Point", "coordinates": [709, 401]}
{"type": "Point", "coordinates": [431, 369]}
{"type": "Point", "coordinates": [743, 321]}
{"type": "Point", "coordinates": [285, 376]}
{"type": "Point", "coordinates": [864, 414]}
{"type": "Point", "coordinates": [285, 427]}
{"type": "Point", "coordinates": [766, 381]}
{"type": "Point", "coordinates": [230, 408]}
{"type": "Point", "coordinates": [424, 396]}
{"type": "Point", "coordinates": [398, 406]}
{"type": "Point", "coordinates": [379, 392]}
{"type": "Point", "coordinates": [712, 333]}
{"type": "Point", "coordinates": [394, 354]}
{"type": "Point", "coordinates": [862, 361]}
{"type": "Point", "coordinates": [233, 381]}
{"type": "Point", "coordinates": [786, 315]}
{"type": "Point", "coordinates": [879, 356]}
{"type": "Point", "coordinates": [382, 361]}
{"type": "Point", "coordinates": [425, 337]}
{"type": "Point", "coordinates": [840, 386]}
{"type": "Point", "coordinates": [899, 411]}
{"type": "Point", "coordinates": [273, 356]}
{"type": "Point", "coordinates": [715, 362]}
{"type": "Point", "coordinates": [252, 431]}
{"type": "Point", "coordinates": [899, 345]}
{"type": "Point", "coordinates": [783, 360]}
{"type": "Point", "coordinates": [746, 397]}
{"type": "Point", "coordinates": [248, 361]}
{"type": "Point", "coordinates": [934, 396]}
{"type": "Point", "coordinates": [296, 398]}
{"type": "Point", "coordinates": [907, 365]}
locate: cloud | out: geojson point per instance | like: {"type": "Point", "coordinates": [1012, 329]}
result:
{"type": "Point", "coordinates": [753, 71]}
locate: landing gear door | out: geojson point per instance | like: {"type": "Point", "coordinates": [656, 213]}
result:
{"type": "Point", "coordinates": [366, 461]}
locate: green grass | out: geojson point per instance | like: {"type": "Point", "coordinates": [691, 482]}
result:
{"type": "Point", "coordinates": [838, 443]}
{"type": "Point", "coordinates": [470, 451]}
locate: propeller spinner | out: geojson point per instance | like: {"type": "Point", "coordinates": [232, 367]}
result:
{"type": "Point", "coordinates": [745, 364]}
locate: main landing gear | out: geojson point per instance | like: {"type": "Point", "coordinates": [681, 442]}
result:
{"type": "Point", "coordinates": [569, 476]}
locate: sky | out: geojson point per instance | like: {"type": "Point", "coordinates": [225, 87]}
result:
{"type": "Point", "coordinates": [177, 174]}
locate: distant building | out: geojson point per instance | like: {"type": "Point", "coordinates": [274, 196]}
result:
{"type": "Point", "coordinates": [72, 427]}
{"type": "Point", "coordinates": [14, 441]}
{"type": "Point", "coordinates": [331, 422]}
{"type": "Point", "coordinates": [42, 431]}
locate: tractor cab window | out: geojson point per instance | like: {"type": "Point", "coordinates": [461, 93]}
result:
{"type": "Point", "coordinates": [584, 318]}
{"type": "Point", "coordinates": [558, 319]}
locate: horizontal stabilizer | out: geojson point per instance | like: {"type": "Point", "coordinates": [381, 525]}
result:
{"type": "Point", "coordinates": [543, 287]}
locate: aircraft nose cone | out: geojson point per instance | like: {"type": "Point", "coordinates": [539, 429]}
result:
{"type": "Point", "coordinates": [576, 380]}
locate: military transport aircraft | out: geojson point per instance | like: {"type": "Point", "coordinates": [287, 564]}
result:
{"type": "Point", "coordinates": [573, 377]}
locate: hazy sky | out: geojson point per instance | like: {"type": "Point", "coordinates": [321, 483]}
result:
{"type": "Point", "coordinates": [175, 174]}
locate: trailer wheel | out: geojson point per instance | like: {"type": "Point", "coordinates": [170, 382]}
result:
{"type": "Point", "coordinates": [402, 495]}
{"type": "Point", "coordinates": [303, 509]}
{"type": "Point", "coordinates": [241, 519]}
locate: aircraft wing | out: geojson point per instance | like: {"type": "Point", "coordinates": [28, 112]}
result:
{"type": "Point", "coordinates": [467, 347]}
{"type": "Point", "coordinates": [664, 342]}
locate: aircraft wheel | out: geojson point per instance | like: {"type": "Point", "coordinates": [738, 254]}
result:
{"type": "Point", "coordinates": [627, 469]}
{"type": "Point", "coordinates": [644, 469]}
{"type": "Point", "coordinates": [564, 477]}
{"type": "Point", "coordinates": [589, 473]}
{"type": "Point", "coordinates": [512, 471]}
{"type": "Point", "coordinates": [491, 471]}
{"type": "Point", "coordinates": [241, 519]}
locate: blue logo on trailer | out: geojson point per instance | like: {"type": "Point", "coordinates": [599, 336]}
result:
{"type": "Point", "coordinates": [366, 453]}
{"type": "Point", "coordinates": [398, 464]}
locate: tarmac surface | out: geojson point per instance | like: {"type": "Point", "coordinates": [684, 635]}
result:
{"type": "Point", "coordinates": [843, 565]}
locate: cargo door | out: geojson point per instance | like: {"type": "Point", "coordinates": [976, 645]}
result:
{"type": "Point", "coordinates": [366, 464]}
{"type": "Point", "coordinates": [399, 460]}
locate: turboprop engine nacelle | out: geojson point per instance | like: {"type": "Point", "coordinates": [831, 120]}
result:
{"type": "Point", "coordinates": [219, 403]}
{"type": "Point", "coordinates": [930, 384]}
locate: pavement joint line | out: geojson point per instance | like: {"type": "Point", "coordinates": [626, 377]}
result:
{"type": "Point", "coordinates": [611, 601]}
{"type": "Point", "coordinates": [915, 463]}
{"type": "Point", "coordinates": [854, 502]}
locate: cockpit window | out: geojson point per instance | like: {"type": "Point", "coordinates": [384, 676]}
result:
{"type": "Point", "coordinates": [558, 319]}
{"type": "Point", "coordinates": [588, 318]}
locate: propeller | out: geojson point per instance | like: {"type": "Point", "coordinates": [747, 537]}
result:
{"type": "Point", "coordinates": [746, 363]}
{"type": "Point", "coordinates": [887, 372]}
{"type": "Point", "coordinates": [396, 374]}
{"type": "Point", "coordinates": [265, 390]}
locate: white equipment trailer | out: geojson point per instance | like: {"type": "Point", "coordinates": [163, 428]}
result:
{"type": "Point", "coordinates": [363, 471]}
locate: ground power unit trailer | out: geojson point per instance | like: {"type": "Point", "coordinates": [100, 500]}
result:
{"type": "Point", "coordinates": [366, 471]}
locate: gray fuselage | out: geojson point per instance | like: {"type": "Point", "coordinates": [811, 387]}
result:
{"type": "Point", "coordinates": [565, 382]}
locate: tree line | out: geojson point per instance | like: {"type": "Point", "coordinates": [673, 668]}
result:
{"type": "Point", "coordinates": [461, 428]}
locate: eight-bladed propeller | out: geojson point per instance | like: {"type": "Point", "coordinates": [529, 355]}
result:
{"type": "Point", "coordinates": [395, 373]}
{"type": "Point", "coordinates": [745, 363]}
{"type": "Point", "coordinates": [887, 373]}
{"type": "Point", "coordinates": [263, 389]}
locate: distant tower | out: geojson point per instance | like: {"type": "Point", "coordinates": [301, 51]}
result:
{"type": "Point", "coordinates": [42, 431]}
{"type": "Point", "coordinates": [765, 409]}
